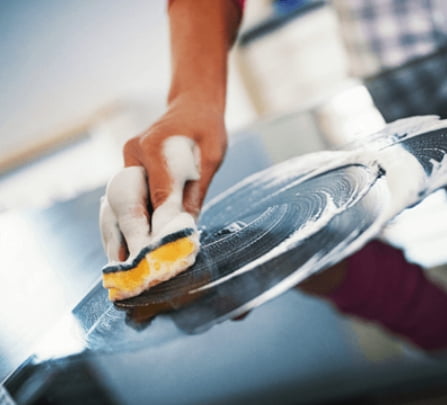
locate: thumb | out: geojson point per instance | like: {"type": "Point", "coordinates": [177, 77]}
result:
{"type": "Point", "coordinates": [169, 170]}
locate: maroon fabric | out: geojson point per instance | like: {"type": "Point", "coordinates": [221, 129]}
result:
{"type": "Point", "coordinates": [381, 286]}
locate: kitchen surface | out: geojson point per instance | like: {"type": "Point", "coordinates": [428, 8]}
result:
{"type": "Point", "coordinates": [61, 340]}
{"type": "Point", "coordinates": [64, 340]}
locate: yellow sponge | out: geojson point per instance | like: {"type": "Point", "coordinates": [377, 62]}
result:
{"type": "Point", "coordinates": [154, 264]}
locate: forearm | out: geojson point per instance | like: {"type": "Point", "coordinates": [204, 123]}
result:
{"type": "Point", "coordinates": [202, 32]}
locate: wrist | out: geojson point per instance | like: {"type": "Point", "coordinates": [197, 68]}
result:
{"type": "Point", "coordinates": [208, 101]}
{"type": "Point", "coordinates": [202, 33]}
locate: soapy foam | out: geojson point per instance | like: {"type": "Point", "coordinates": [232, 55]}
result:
{"type": "Point", "coordinates": [438, 176]}
{"type": "Point", "coordinates": [261, 273]}
{"type": "Point", "coordinates": [124, 209]}
{"type": "Point", "coordinates": [401, 185]}
{"type": "Point", "coordinates": [402, 181]}
{"type": "Point", "coordinates": [182, 160]}
{"type": "Point", "coordinates": [152, 269]}
{"type": "Point", "coordinates": [110, 233]}
{"type": "Point", "coordinates": [405, 178]}
{"type": "Point", "coordinates": [314, 224]}
{"type": "Point", "coordinates": [127, 196]}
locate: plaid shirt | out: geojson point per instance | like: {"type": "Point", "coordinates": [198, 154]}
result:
{"type": "Point", "coordinates": [384, 34]}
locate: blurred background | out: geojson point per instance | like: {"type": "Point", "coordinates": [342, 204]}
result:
{"type": "Point", "coordinates": [80, 78]}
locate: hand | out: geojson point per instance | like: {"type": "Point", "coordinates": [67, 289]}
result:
{"type": "Point", "coordinates": [193, 119]}
{"type": "Point", "coordinates": [135, 193]}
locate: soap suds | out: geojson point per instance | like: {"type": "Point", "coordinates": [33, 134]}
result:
{"type": "Point", "coordinates": [438, 175]}
{"type": "Point", "coordinates": [329, 210]}
{"type": "Point", "coordinates": [397, 180]}
{"type": "Point", "coordinates": [110, 233]}
{"type": "Point", "coordinates": [124, 214]}
{"type": "Point", "coordinates": [182, 159]}
{"type": "Point", "coordinates": [401, 181]}
{"type": "Point", "coordinates": [127, 197]}
{"type": "Point", "coordinates": [124, 207]}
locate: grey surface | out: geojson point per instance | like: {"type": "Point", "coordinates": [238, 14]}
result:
{"type": "Point", "coordinates": [294, 349]}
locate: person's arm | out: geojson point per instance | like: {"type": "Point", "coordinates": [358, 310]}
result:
{"type": "Point", "coordinates": [201, 35]}
{"type": "Point", "coordinates": [377, 284]}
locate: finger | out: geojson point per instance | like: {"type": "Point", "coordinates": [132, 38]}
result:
{"type": "Point", "coordinates": [195, 191]}
{"type": "Point", "coordinates": [192, 198]}
{"type": "Point", "coordinates": [110, 233]}
{"type": "Point", "coordinates": [174, 165]}
{"type": "Point", "coordinates": [130, 152]}
{"type": "Point", "coordinates": [127, 196]}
